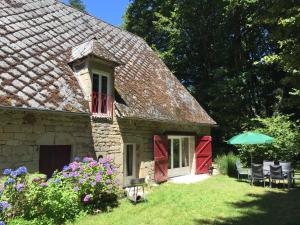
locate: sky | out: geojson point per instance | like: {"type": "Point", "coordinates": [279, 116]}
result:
{"type": "Point", "coordinates": [110, 11]}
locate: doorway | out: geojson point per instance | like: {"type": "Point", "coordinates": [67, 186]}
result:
{"type": "Point", "coordinates": [179, 155]}
{"type": "Point", "coordinates": [53, 157]}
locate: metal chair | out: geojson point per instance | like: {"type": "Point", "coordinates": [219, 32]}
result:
{"type": "Point", "coordinates": [287, 171]}
{"type": "Point", "coordinates": [257, 173]}
{"type": "Point", "coordinates": [266, 166]}
{"type": "Point", "coordinates": [276, 174]}
{"type": "Point", "coordinates": [241, 171]}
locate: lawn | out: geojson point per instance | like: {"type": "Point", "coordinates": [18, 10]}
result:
{"type": "Point", "coordinates": [219, 200]}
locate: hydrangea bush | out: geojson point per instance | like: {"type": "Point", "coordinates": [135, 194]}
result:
{"type": "Point", "coordinates": [82, 187]}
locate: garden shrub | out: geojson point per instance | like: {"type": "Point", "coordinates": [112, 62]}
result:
{"type": "Point", "coordinates": [226, 163]}
{"type": "Point", "coordinates": [82, 187]}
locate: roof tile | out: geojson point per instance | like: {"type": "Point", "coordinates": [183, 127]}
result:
{"type": "Point", "coordinates": [36, 36]}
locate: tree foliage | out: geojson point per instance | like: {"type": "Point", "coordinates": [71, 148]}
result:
{"type": "Point", "coordinates": [239, 58]}
{"type": "Point", "coordinates": [286, 146]}
{"type": "Point", "coordinates": [77, 4]}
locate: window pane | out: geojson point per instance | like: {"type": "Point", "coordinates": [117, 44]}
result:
{"type": "Point", "coordinates": [169, 153]}
{"type": "Point", "coordinates": [175, 153]}
{"type": "Point", "coordinates": [95, 82]}
{"type": "Point", "coordinates": [129, 160]}
{"type": "Point", "coordinates": [104, 84]}
{"type": "Point", "coordinates": [185, 152]}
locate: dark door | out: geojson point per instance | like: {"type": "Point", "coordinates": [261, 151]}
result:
{"type": "Point", "coordinates": [203, 154]}
{"type": "Point", "coordinates": [160, 159]}
{"type": "Point", "coordinates": [54, 157]}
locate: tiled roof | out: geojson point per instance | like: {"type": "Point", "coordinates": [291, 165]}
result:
{"type": "Point", "coordinates": [92, 47]}
{"type": "Point", "coordinates": [36, 37]}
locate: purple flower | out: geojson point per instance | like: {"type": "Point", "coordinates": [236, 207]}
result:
{"type": "Point", "coordinates": [74, 166]}
{"type": "Point", "coordinates": [66, 168]}
{"type": "Point", "coordinates": [44, 184]}
{"type": "Point", "coordinates": [98, 178]}
{"type": "Point", "coordinates": [9, 181]}
{"type": "Point", "coordinates": [108, 181]}
{"type": "Point", "coordinates": [92, 164]}
{"type": "Point", "coordinates": [107, 165]}
{"type": "Point", "coordinates": [74, 174]}
{"type": "Point", "coordinates": [87, 198]}
{"type": "Point", "coordinates": [81, 181]}
{"type": "Point", "coordinates": [65, 175]}
{"type": "Point", "coordinates": [93, 184]}
{"type": "Point", "coordinates": [109, 172]}
{"type": "Point", "coordinates": [2, 223]}
{"type": "Point", "coordinates": [19, 187]}
{"type": "Point", "coordinates": [87, 159]}
{"type": "Point", "coordinates": [7, 172]}
{"type": "Point", "coordinates": [14, 174]}
{"type": "Point", "coordinates": [4, 205]}
{"type": "Point", "coordinates": [76, 188]}
{"type": "Point", "coordinates": [86, 176]}
{"type": "Point", "coordinates": [21, 170]}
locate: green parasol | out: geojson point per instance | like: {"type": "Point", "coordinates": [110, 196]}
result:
{"type": "Point", "coordinates": [250, 138]}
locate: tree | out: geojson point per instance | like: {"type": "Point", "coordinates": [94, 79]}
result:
{"type": "Point", "coordinates": [77, 4]}
{"type": "Point", "coordinates": [286, 134]}
{"type": "Point", "coordinates": [219, 49]}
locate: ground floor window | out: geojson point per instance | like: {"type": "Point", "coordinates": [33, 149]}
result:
{"type": "Point", "coordinates": [129, 162]}
{"type": "Point", "coordinates": [53, 157]}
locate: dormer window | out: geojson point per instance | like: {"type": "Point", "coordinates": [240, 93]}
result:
{"type": "Point", "coordinates": [93, 66]}
{"type": "Point", "coordinates": [102, 99]}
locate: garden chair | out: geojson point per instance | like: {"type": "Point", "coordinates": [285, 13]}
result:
{"type": "Point", "coordinates": [287, 171]}
{"type": "Point", "coordinates": [241, 171]}
{"type": "Point", "coordinates": [266, 166]}
{"type": "Point", "coordinates": [276, 174]}
{"type": "Point", "coordinates": [257, 173]}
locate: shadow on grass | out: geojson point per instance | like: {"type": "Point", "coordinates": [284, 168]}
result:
{"type": "Point", "coordinates": [278, 208]}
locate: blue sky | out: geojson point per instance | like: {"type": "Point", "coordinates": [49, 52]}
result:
{"type": "Point", "coordinates": [110, 11]}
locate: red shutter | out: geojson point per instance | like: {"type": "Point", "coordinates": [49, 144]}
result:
{"type": "Point", "coordinates": [203, 154]}
{"type": "Point", "coordinates": [160, 159]}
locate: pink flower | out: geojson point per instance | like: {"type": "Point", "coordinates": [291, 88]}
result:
{"type": "Point", "coordinates": [74, 166]}
{"type": "Point", "coordinates": [98, 178]}
{"type": "Point", "coordinates": [87, 198]}
{"type": "Point", "coordinates": [44, 184]}
{"type": "Point", "coordinates": [109, 172]}
{"type": "Point", "coordinates": [92, 164]}
{"type": "Point", "coordinates": [87, 159]}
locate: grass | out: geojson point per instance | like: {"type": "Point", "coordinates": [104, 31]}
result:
{"type": "Point", "coordinates": [219, 200]}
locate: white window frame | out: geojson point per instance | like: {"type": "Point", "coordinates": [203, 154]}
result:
{"type": "Point", "coordinates": [181, 170]}
{"type": "Point", "coordinates": [101, 74]}
{"type": "Point", "coordinates": [128, 178]}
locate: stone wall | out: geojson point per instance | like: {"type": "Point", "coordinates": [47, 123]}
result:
{"type": "Point", "coordinates": [142, 132]}
{"type": "Point", "coordinates": [22, 132]}
{"type": "Point", "coordinates": [107, 140]}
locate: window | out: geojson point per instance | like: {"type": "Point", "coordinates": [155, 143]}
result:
{"type": "Point", "coordinates": [129, 160]}
{"type": "Point", "coordinates": [102, 100]}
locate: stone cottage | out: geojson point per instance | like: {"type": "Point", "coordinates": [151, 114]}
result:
{"type": "Point", "coordinates": [73, 85]}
